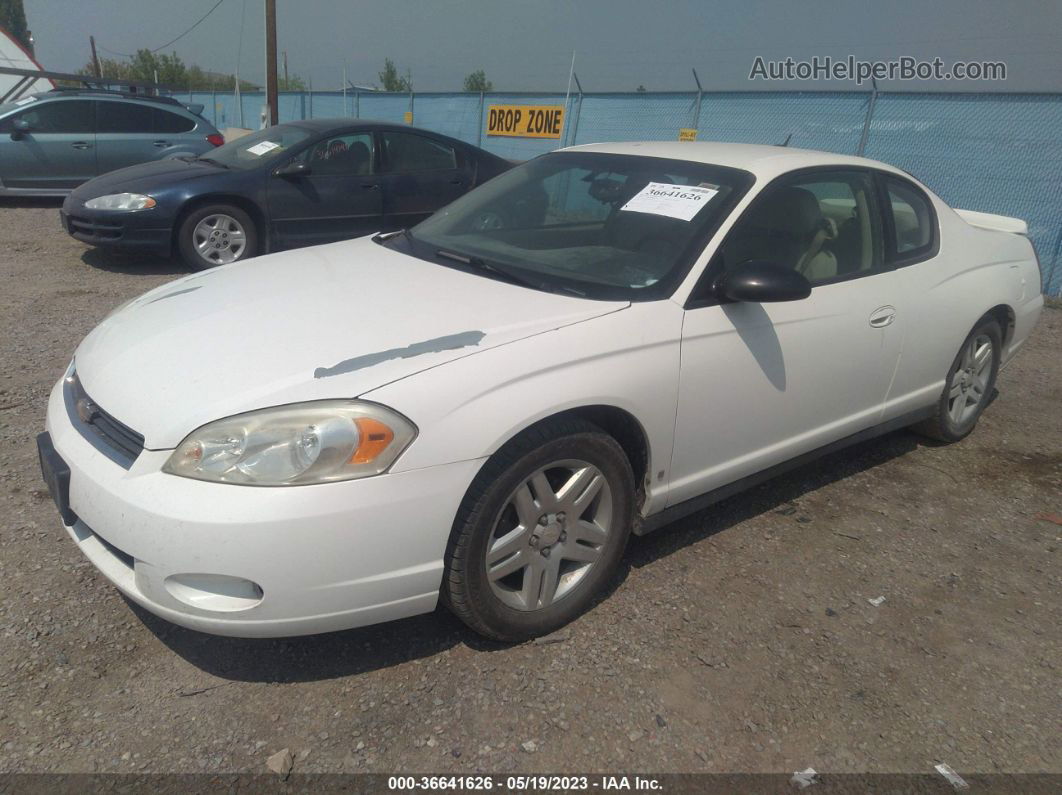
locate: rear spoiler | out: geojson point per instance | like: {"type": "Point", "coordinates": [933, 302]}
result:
{"type": "Point", "coordinates": [997, 223]}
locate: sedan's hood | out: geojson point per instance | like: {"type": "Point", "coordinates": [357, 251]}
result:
{"type": "Point", "coordinates": [145, 177]}
{"type": "Point", "coordinates": [326, 322]}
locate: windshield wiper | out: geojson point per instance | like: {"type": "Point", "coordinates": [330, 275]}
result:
{"type": "Point", "coordinates": [482, 264]}
{"type": "Point", "coordinates": [383, 237]}
{"type": "Point", "coordinates": [504, 273]}
{"type": "Point", "coordinates": [212, 162]}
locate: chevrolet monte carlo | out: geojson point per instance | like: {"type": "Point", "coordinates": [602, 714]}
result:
{"type": "Point", "coordinates": [481, 409]}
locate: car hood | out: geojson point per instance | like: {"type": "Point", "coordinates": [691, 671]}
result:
{"type": "Point", "coordinates": [145, 177]}
{"type": "Point", "coordinates": [331, 321]}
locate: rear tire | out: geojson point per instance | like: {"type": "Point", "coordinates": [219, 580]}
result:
{"type": "Point", "coordinates": [969, 386]}
{"type": "Point", "coordinates": [216, 234]}
{"type": "Point", "coordinates": [540, 531]}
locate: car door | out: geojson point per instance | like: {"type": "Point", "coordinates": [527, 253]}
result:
{"type": "Point", "coordinates": [338, 197]}
{"type": "Point", "coordinates": [763, 383]}
{"type": "Point", "coordinates": [129, 132]}
{"type": "Point", "coordinates": [57, 149]}
{"type": "Point", "coordinates": [420, 174]}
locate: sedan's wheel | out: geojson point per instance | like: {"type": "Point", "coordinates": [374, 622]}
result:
{"type": "Point", "coordinates": [217, 235]}
{"type": "Point", "coordinates": [540, 531]}
{"type": "Point", "coordinates": [549, 535]}
{"type": "Point", "coordinates": [968, 388]}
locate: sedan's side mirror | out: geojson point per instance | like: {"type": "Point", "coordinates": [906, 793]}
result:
{"type": "Point", "coordinates": [293, 170]}
{"type": "Point", "coordinates": [758, 281]}
{"type": "Point", "coordinates": [19, 128]}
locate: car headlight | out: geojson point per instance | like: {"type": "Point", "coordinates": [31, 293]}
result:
{"type": "Point", "coordinates": [121, 201]}
{"type": "Point", "coordinates": [295, 445]}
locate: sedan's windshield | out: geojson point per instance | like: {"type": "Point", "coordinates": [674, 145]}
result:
{"type": "Point", "coordinates": [604, 225]}
{"type": "Point", "coordinates": [253, 150]}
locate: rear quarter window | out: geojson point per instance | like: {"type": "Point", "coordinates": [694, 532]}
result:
{"type": "Point", "coordinates": [910, 220]}
{"type": "Point", "coordinates": [130, 117]}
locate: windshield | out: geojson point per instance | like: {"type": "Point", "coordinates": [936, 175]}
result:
{"type": "Point", "coordinates": [252, 150]}
{"type": "Point", "coordinates": [607, 226]}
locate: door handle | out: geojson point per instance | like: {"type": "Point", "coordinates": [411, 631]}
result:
{"type": "Point", "coordinates": [882, 316]}
{"type": "Point", "coordinates": [160, 144]}
{"type": "Point", "coordinates": [81, 145]}
{"type": "Point", "coordinates": [457, 182]}
{"type": "Point", "coordinates": [371, 186]}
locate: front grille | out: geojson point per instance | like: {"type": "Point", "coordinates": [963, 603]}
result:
{"type": "Point", "coordinates": [96, 424]}
{"type": "Point", "coordinates": [96, 230]}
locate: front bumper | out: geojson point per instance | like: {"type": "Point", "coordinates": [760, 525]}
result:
{"type": "Point", "coordinates": [325, 557]}
{"type": "Point", "coordinates": [144, 229]}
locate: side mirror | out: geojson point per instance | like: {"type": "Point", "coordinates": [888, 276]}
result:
{"type": "Point", "coordinates": [760, 282]}
{"type": "Point", "coordinates": [293, 170]}
{"type": "Point", "coordinates": [19, 128]}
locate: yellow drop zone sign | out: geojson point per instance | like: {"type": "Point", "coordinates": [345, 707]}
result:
{"type": "Point", "coordinates": [526, 121]}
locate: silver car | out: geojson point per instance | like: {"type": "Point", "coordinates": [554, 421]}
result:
{"type": "Point", "coordinates": [52, 142]}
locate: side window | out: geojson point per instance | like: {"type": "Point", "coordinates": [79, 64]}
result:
{"type": "Point", "coordinates": [123, 117]}
{"type": "Point", "coordinates": [341, 155]}
{"type": "Point", "coordinates": [129, 117]}
{"type": "Point", "coordinates": [824, 225]}
{"type": "Point", "coordinates": [168, 122]}
{"type": "Point", "coordinates": [405, 153]}
{"type": "Point", "coordinates": [63, 116]}
{"type": "Point", "coordinates": [912, 219]}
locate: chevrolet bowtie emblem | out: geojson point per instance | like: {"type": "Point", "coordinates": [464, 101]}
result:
{"type": "Point", "coordinates": [87, 410]}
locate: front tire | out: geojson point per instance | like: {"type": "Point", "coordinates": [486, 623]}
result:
{"type": "Point", "coordinates": [540, 531]}
{"type": "Point", "coordinates": [969, 386]}
{"type": "Point", "coordinates": [217, 234]}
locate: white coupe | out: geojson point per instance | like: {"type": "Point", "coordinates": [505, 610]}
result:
{"type": "Point", "coordinates": [483, 408]}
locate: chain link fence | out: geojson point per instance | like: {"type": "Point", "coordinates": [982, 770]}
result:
{"type": "Point", "coordinates": [998, 153]}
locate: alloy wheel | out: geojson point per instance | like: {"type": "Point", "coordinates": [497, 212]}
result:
{"type": "Point", "coordinates": [219, 239]}
{"type": "Point", "coordinates": [550, 533]}
{"type": "Point", "coordinates": [969, 381]}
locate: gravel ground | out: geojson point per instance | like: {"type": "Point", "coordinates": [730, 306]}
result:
{"type": "Point", "coordinates": [739, 639]}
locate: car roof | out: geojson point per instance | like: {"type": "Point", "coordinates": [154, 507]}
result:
{"type": "Point", "coordinates": [58, 93]}
{"type": "Point", "coordinates": [763, 161]}
{"type": "Point", "coordinates": [322, 125]}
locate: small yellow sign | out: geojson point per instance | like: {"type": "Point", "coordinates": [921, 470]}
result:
{"type": "Point", "coordinates": [526, 121]}
{"type": "Point", "coordinates": [409, 117]}
{"type": "Point", "coordinates": [687, 134]}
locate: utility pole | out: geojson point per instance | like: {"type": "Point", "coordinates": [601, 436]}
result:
{"type": "Point", "coordinates": [273, 116]}
{"type": "Point", "coordinates": [95, 59]}
{"type": "Point", "coordinates": [287, 85]}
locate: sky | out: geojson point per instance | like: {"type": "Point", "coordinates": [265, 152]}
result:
{"type": "Point", "coordinates": [528, 45]}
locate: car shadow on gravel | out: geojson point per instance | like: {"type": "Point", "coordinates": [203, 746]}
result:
{"type": "Point", "coordinates": [314, 657]}
{"type": "Point", "coordinates": [134, 263]}
{"type": "Point", "coordinates": [356, 651]}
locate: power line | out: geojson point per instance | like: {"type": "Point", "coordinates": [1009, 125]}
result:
{"type": "Point", "coordinates": [194, 26]}
{"type": "Point", "coordinates": [171, 41]}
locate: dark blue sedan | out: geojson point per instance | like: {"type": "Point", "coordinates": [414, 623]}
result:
{"type": "Point", "coordinates": [296, 184]}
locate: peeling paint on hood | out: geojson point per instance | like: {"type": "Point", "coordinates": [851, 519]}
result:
{"type": "Point", "coordinates": [450, 342]}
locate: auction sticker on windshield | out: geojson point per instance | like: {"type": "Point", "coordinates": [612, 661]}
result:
{"type": "Point", "coordinates": [674, 201]}
{"type": "Point", "coordinates": [263, 147]}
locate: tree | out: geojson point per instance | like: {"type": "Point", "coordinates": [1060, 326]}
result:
{"type": "Point", "coordinates": [477, 81]}
{"type": "Point", "coordinates": [392, 81]}
{"type": "Point", "coordinates": [172, 72]}
{"type": "Point", "coordinates": [13, 20]}
{"type": "Point", "coordinates": [291, 83]}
